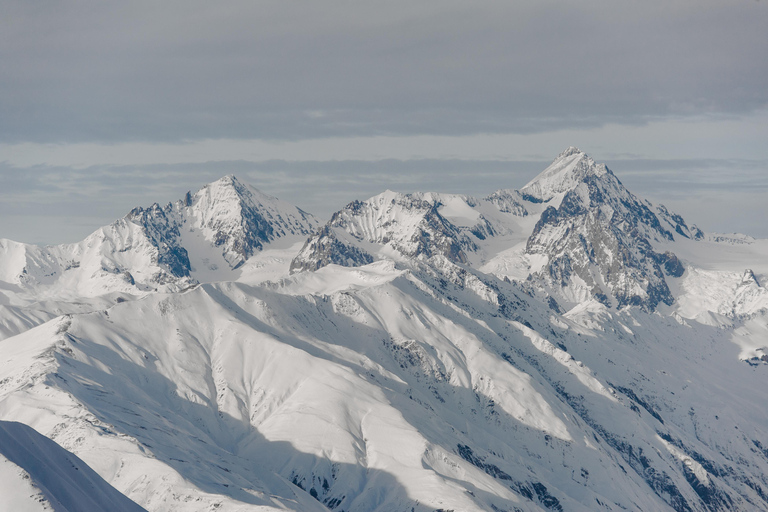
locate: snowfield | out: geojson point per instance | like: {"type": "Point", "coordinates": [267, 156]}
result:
{"type": "Point", "coordinates": [566, 347]}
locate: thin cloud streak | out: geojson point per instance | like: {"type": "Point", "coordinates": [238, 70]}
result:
{"type": "Point", "coordinates": [712, 137]}
{"type": "Point", "coordinates": [49, 204]}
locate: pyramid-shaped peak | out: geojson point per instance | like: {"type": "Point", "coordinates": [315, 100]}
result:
{"type": "Point", "coordinates": [229, 178]}
{"type": "Point", "coordinates": [566, 172]}
{"type": "Point", "coordinates": [228, 188]}
{"type": "Point", "coordinates": [228, 182]}
{"type": "Point", "coordinates": [572, 150]}
{"type": "Point", "coordinates": [241, 219]}
{"type": "Point", "coordinates": [228, 185]}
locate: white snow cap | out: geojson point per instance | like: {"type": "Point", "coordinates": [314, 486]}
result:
{"type": "Point", "coordinates": [566, 172]}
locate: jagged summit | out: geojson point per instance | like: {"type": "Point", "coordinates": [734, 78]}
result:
{"type": "Point", "coordinates": [566, 172]}
{"type": "Point", "coordinates": [229, 214]}
{"type": "Point", "coordinates": [591, 237]}
{"type": "Point", "coordinates": [410, 225]}
{"type": "Point", "coordinates": [241, 219]}
{"type": "Point", "coordinates": [200, 237]}
{"type": "Point", "coordinates": [583, 353]}
{"type": "Point", "coordinates": [598, 239]}
{"type": "Point", "coordinates": [230, 189]}
{"type": "Point", "coordinates": [571, 150]}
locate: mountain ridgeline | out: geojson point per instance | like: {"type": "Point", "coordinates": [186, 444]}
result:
{"type": "Point", "coordinates": [172, 247]}
{"type": "Point", "coordinates": [567, 346]}
{"type": "Point", "coordinates": [596, 238]}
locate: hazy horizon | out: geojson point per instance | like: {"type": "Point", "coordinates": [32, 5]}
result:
{"type": "Point", "coordinates": [110, 106]}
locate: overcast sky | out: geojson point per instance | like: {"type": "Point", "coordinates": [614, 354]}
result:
{"type": "Point", "coordinates": [109, 105]}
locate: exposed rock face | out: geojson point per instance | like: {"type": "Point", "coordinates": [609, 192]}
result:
{"type": "Point", "coordinates": [240, 219]}
{"type": "Point", "coordinates": [324, 248]}
{"type": "Point", "coordinates": [508, 201]}
{"type": "Point", "coordinates": [678, 223]}
{"type": "Point", "coordinates": [152, 247]}
{"type": "Point", "coordinates": [236, 217]}
{"type": "Point", "coordinates": [161, 227]}
{"type": "Point", "coordinates": [593, 239]}
{"type": "Point", "coordinates": [439, 379]}
{"type": "Point", "coordinates": [599, 238]}
{"type": "Point", "coordinates": [410, 225]}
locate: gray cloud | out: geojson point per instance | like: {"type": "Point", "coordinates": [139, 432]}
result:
{"type": "Point", "coordinates": [116, 71]}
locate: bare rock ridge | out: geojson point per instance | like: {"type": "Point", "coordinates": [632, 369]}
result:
{"type": "Point", "coordinates": [235, 217]}
{"type": "Point", "coordinates": [589, 237]}
{"type": "Point", "coordinates": [415, 226]}
{"type": "Point", "coordinates": [602, 234]}
{"type": "Point", "coordinates": [407, 225]}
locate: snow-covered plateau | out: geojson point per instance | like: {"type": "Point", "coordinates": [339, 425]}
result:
{"type": "Point", "coordinates": [567, 346]}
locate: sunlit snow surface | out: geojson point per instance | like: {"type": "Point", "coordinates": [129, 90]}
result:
{"type": "Point", "coordinates": [410, 383]}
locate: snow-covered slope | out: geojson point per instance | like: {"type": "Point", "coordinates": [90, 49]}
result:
{"type": "Point", "coordinates": [378, 388]}
{"type": "Point", "coordinates": [400, 226]}
{"type": "Point", "coordinates": [207, 236]}
{"type": "Point", "coordinates": [202, 237]}
{"type": "Point", "coordinates": [573, 233]}
{"type": "Point", "coordinates": [566, 347]}
{"type": "Point", "coordinates": [598, 241]}
{"type": "Point", "coordinates": [36, 474]}
{"type": "Point", "coordinates": [566, 172]}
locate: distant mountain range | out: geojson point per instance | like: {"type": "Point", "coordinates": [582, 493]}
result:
{"type": "Point", "coordinates": [564, 346]}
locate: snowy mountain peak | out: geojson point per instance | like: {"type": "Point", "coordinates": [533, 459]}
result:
{"type": "Point", "coordinates": [572, 150]}
{"type": "Point", "coordinates": [231, 215]}
{"type": "Point", "coordinates": [201, 237]}
{"type": "Point", "coordinates": [583, 353]}
{"type": "Point", "coordinates": [227, 179]}
{"type": "Point", "coordinates": [749, 278]}
{"type": "Point", "coordinates": [598, 238]}
{"type": "Point", "coordinates": [226, 192]}
{"type": "Point", "coordinates": [569, 169]}
{"type": "Point", "coordinates": [391, 223]}
{"type": "Point", "coordinates": [229, 189]}
{"type": "Point", "coordinates": [593, 239]}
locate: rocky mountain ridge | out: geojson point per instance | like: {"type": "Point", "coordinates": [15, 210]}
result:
{"type": "Point", "coordinates": [602, 234]}
{"type": "Point", "coordinates": [222, 225]}
{"type": "Point", "coordinates": [593, 237]}
{"type": "Point", "coordinates": [420, 352]}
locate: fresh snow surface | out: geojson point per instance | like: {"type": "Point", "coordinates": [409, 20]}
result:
{"type": "Point", "coordinates": [37, 474]}
{"type": "Point", "coordinates": [375, 389]}
{"type": "Point", "coordinates": [565, 173]}
{"type": "Point", "coordinates": [17, 492]}
{"type": "Point", "coordinates": [203, 238]}
{"type": "Point", "coordinates": [452, 368]}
